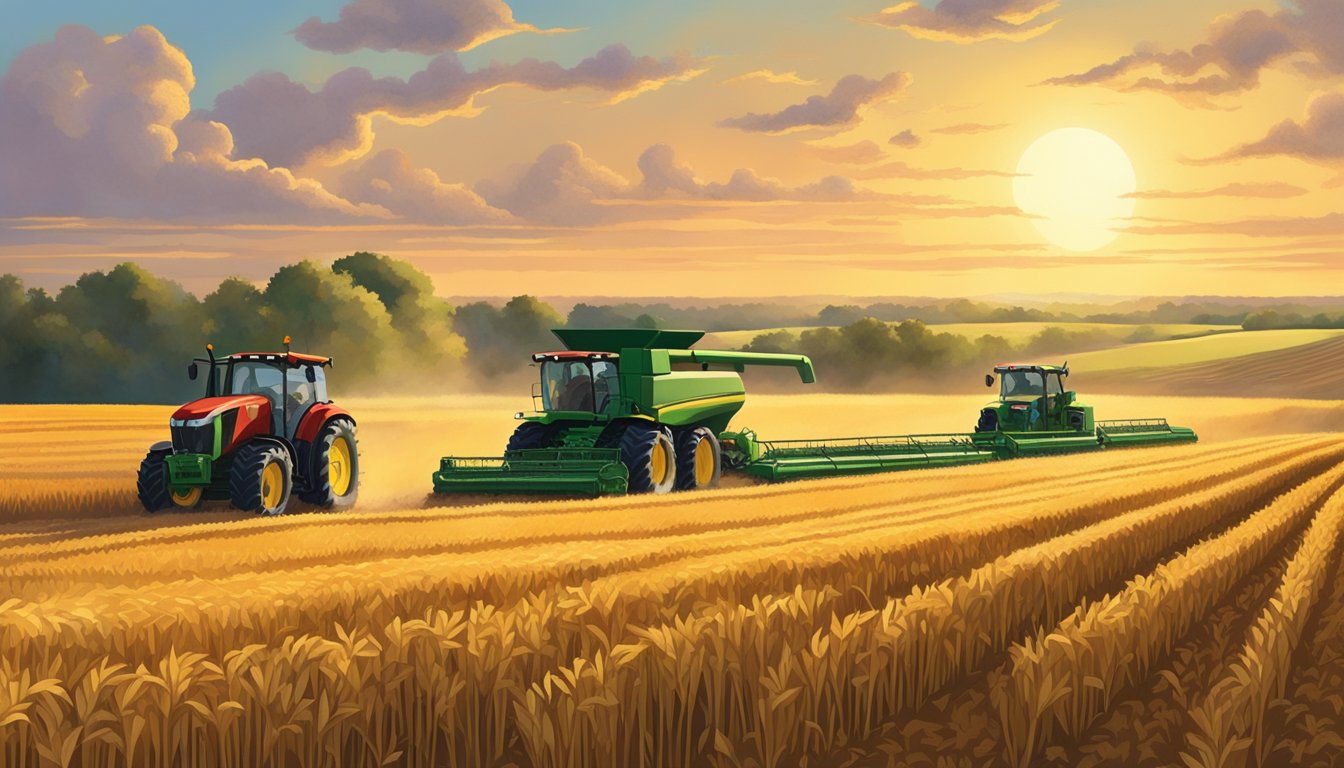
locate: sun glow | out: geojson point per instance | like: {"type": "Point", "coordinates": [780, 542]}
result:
{"type": "Point", "coordinates": [1074, 182]}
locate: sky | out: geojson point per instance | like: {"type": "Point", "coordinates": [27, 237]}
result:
{"type": "Point", "coordinates": [697, 148]}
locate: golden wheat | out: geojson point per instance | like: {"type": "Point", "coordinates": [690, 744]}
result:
{"type": "Point", "coordinates": [766, 626]}
{"type": "Point", "coordinates": [1065, 678]}
{"type": "Point", "coordinates": [1230, 719]}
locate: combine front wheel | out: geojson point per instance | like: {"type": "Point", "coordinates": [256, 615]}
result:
{"type": "Point", "coordinates": [699, 459]}
{"type": "Point", "coordinates": [647, 453]}
{"type": "Point", "coordinates": [335, 467]}
{"type": "Point", "coordinates": [261, 479]}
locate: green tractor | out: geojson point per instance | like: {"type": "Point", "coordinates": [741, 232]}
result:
{"type": "Point", "coordinates": [619, 410]}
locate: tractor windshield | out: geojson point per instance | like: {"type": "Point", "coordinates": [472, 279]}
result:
{"type": "Point", "coordinates": [1027, 385]}
{"type": "Point", "coordinates": [1019, 385]}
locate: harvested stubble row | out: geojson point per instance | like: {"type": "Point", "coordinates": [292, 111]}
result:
{"type": "Point", "coordinates": [1231, 719]}
{"type": "Point", "coordinates": [566, 675]}
{"type": "Point", "coordinates": [1063, 679]}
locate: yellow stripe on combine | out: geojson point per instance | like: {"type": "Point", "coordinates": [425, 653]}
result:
{"type": "Point", "coordinates": [707, 402]}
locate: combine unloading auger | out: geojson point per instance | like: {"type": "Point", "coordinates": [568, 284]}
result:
{"type": "Point", "coordinates": [616, 416]}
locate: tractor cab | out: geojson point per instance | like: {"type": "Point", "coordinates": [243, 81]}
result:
{"type": "Point", "coordinates": [1032, 398]}
{"type": "Point", "coordinates": [291, 382]}
{"type": "Point", "coordinates": [577, 382]}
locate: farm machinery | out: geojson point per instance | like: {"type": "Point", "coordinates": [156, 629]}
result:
{"type": "Point", "coordinates": [638, 410]}
{"type": "Point", "coordinates": [264, 430]}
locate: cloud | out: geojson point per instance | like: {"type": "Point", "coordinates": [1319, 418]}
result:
{"type": "Point", "coordinates": [900, 170]}
{"type": "Point", "coordinates": [664, 177]}
{"type": "Point", "coordinates": [840, 107]}
{"type": "Point", "coordinates": [559, 187]}
{"type": "Point", "coordinates": [1319, 137]}
{"type": "Point", "coordinates": [285, 123]}
{"type": "Point", "coordinates": [416, 26]}
{"type": "Point", "coordinates": [1304, 226]}
{"type": "Point", "coordinates": [1231, 59]}
{"type": "Point", "coordinates": [968, 21]}
{"type": "Point", "coordinates": [565, 186]}
{"type": "Point", "coordinates": [965, 129]}
{"type": "Point", "coordinates": [861, 153]}
{"type": "Point", "coordinates": [92, 126]}
{"type": "Point", "coordinates": [770, 76]}
{"type": "Point", "coordinates": [905, 139]}
{"type": "Point", "coordinates": [1273, 189]}
{"type": "Point", "coordinates": [389, 180]}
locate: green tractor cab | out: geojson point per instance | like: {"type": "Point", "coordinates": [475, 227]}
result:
{"type": "Point", "coordinates": [619, 410]}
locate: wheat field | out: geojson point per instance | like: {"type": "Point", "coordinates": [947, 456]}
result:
{"type": "Point", "coordinates": [1166, 606]}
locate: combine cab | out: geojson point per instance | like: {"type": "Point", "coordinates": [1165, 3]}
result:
{"type": "Point", "coordinates": [265, 429]}
{"type": "Point", "coordinates": [631, 410]}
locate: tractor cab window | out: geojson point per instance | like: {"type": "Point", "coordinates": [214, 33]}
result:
{"type": "Point", "coordinates": [1054, 384]}
{"type": "Point", "coordinates": [567, 385]}
{"type": "Point", "coordinates": [302, 393]}
{"type": "Point", "coordinates": [606, 386]}
{"type": "Point", "coordinates": [1018, 385]}
{"type": "Point", "coordinates": [255, 379]}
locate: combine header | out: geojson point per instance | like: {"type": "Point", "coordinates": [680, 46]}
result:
{"type": "Point", "coordinates": [639, 411]}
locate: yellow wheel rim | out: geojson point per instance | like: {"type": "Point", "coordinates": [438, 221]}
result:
{"type": "Point", "coordinates": [658, 462]}
{"type": "Point", "coordinates": [187, 498]}
{"type": "Point", "coordinates": [704, 462]}
{"type": "Point", "coordinates": [339, 470]}
{"type": "Point", "coordinates": [272, 485]}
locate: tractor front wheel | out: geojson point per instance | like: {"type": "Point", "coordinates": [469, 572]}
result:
{"type": "Point", "coordinates": [151, 482]}
{"type": "Point", "coordinates": [699, 459]}
{"type": "Point", "coordinates": [648, 454]}
{"type": "Point", "coordinates": [335, 473]}
{"type": "Point", "coordinates": [261, 479]}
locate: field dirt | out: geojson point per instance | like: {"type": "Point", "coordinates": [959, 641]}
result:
{"type": "Point", "coordinates": [1008, 614]}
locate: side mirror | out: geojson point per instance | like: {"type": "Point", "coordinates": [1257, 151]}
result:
{"type": "Point", "coordinates": [989, 379]}
{"type": "Point", "coordinates": [309, 373]}
{"type": "Point", "coordinates": [193, 372]}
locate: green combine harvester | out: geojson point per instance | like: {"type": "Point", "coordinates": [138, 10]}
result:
{"type": "Point", "coordinates": [638, 411]}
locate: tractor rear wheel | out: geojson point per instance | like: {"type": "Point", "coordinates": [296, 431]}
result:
{"type": "Point", "coordinates": [699, 459]}
{"type": "Point", "coordinates": [334, 476]}
{"type": "Point", "coordinates": [151, 482]}
{"type": "Point", "coordinates": [531, 434]}
{"type": "Point", "coordinates": [261, 479]}
{"type": "Point", "coordinates": [648, 454]}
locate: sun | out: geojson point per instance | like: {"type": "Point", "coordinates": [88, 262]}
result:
{"type": "Point", "coordinates": [1074, 182]}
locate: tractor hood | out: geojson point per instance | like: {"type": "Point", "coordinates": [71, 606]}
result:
{"type": "Point", "coordinates": [209, 407]}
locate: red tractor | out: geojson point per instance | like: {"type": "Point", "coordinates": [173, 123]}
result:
{"type": "Point", "coordinates": [265, 429]}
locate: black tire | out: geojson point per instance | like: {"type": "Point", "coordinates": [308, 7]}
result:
{"type": "Point", "coordinates": [245, 478]}
{"type": "Point", "coordinates": [531, 434]}
{"type": "Point", "coordinates": [319, 478]}
{"type": "Point", "coordinates": [690, 443]}
{"type": "Point", "coordinates": [639, 445]}
{"type": "Point", "coordinates": [151, 482]}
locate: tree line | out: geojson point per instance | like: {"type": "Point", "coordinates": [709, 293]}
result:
{"type": "Point", "coordinates": [125, 335]}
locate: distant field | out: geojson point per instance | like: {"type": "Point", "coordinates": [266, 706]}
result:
{"type": "Point", "coordinates": [1313, 370]}
{"type": "Point", "coordinates": [1066, 610]}
{"type": "Point", "coordinates": [1158, 354]}
{"type": "Point", "coordinates": [1013, 332]}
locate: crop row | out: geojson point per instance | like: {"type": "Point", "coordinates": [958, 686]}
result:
{"type": "Point", "coordinates": [1063, 679]}
{"type": "Point", "coordinates": [1231, 719]}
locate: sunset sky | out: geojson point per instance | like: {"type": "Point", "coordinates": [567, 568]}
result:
{"type": "Point", "coordinates": [696, 148]}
